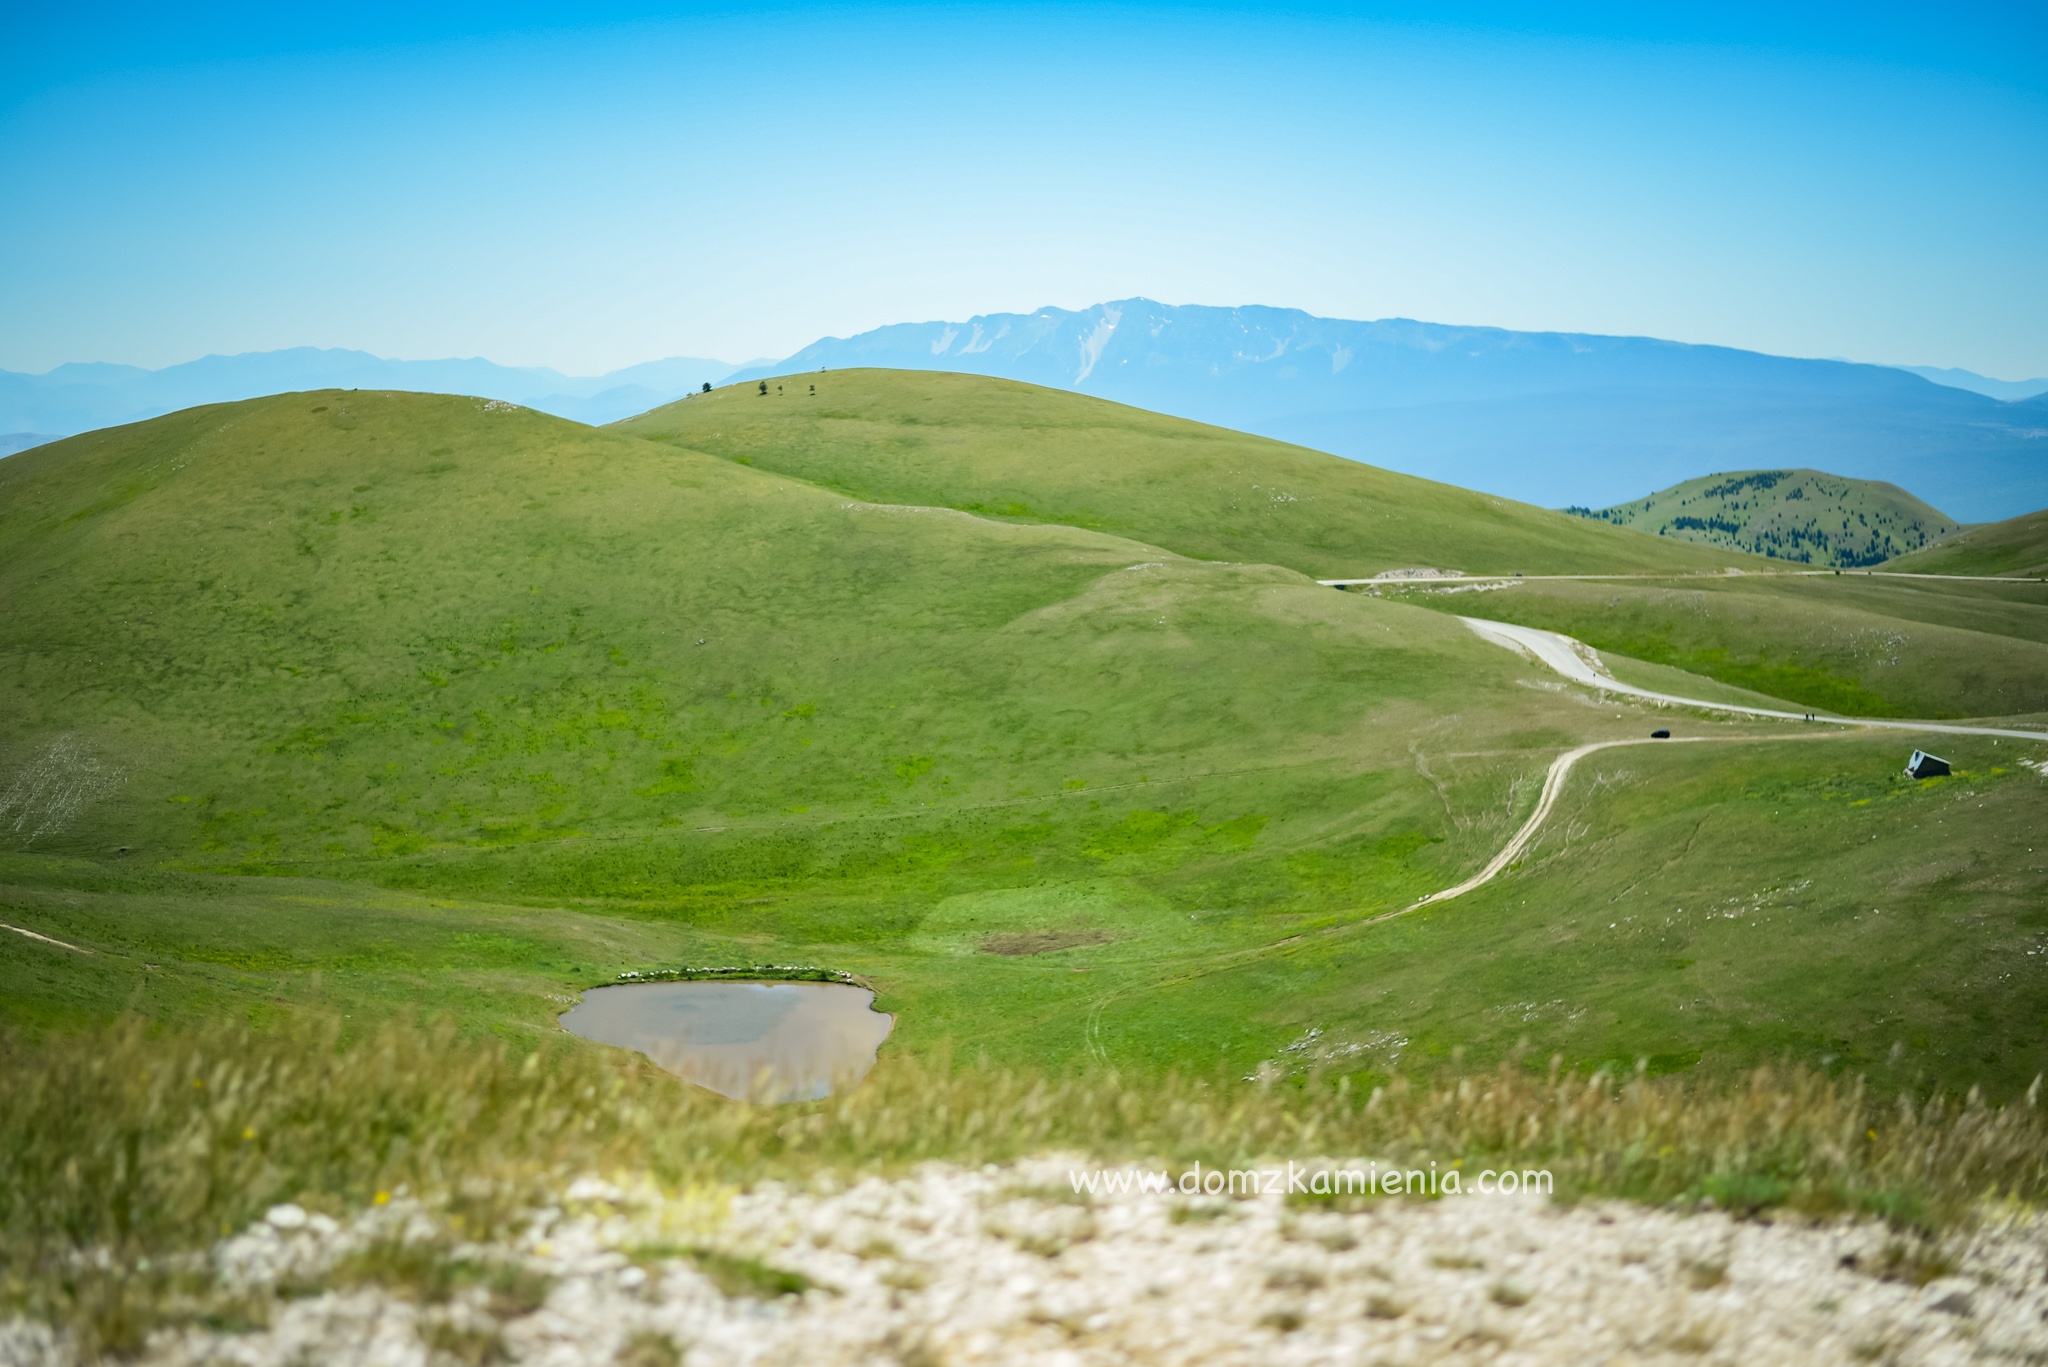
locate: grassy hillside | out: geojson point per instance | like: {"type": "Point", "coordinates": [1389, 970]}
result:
{"type": "Point", "coordinates": [367, 703]}
{"type": "Point", "coordinates": [1805, 516]}
{"type": "Point", "coordinates": [1025, 454]}
{"type": "Point", "coordinates": [2018, 546]}
{"type": "Point", "coordinates": [348, 626]}
{"type": "Point", "coordinates": [1702, 904]}
{"type": "Point", "coordinates": [439, 644]}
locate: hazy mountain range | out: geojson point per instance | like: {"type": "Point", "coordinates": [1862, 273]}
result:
{"type": "Point", "coordinates": [77, 398]}
{"type": "Point", "coordinates": [1550, 418]}
{"type": "Point", "coordinates": [1979, 384]}
{"type": "Point", "coordinates": [1547, 417]}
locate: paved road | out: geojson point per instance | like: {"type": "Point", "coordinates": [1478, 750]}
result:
{"type": "Point", "coordinates": [1564, 655]}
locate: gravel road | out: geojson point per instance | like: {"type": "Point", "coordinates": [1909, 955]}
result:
{"type": "Point", "coordinates": [1577, 661]}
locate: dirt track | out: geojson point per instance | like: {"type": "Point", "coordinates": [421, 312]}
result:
{"type": "Point", "coordinates": [1568, 657]}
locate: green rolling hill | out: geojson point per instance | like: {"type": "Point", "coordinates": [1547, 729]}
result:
{"type": "Point", "coordinates": [1808, 517]}
{"type": "Point", "coordinates": [1019, 453]}
{"type": "Point", "coordinates": [454, 647]}
{"type": "Point", "coordinates": [2016, 546]}
{"type": "Point", "coordinates": [354, 626]}
{"type": "Point", "coordinates": [378, 703]}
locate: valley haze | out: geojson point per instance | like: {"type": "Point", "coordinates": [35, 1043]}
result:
{"type": "Point", "coordinates": [1549, 418]}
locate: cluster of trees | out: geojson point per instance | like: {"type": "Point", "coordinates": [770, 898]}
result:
{"type": "Point", "coordinates": [1710, 524]}
{"type": "Point", "coordinates": [1863, 538]}
{"type": "Point", "coordinates": [1802, 544]}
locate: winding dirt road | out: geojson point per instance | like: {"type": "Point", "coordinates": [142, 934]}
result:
{"type": "Point", "coordinates": [1553, 785]}
{"type": "Point", "coordinates": [1576, 662]}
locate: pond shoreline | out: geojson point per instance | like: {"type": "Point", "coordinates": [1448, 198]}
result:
{"type": "Point", "coordinates": [789, 973]}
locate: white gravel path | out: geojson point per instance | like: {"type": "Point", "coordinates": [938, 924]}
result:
{"type": "Point", "coordinates": [984, 1266]}
{"type": "Point", "coordinates": [1577, 661]}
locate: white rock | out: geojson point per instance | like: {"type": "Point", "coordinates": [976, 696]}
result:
{"type": "Point", "coordinates": [952, 1264]}
{"type": "Point", "coordinates": [286, 1216]}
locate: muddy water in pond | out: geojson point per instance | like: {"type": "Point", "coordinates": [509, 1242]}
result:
{"type": "Point", "coordinates": [748, 1041]}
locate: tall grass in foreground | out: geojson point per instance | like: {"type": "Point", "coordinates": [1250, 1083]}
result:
{"type": "Point", "coordinates": [122, 1148]}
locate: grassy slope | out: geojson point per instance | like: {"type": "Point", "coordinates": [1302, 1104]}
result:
{"type": "Point", "coordinates": [1710, 905]}
{"type": "Point", "coordinates": [1852, 644]}
{"type": "Point", "coordinates": [2018, 545]}
{"type": "Point", "coordinates": [1024, 453]}
{"type": "Point", "coordinates": [440, 664]}
{"type": "Point", "coordinates": [174, 945]}
{"type": "Point", "coordinates": [444, 629]}
{"type": "Point", "coordinates": [1027, 454]}
{"type": "Point", "coordinates": [1806, 516]}
{"type": "Point", "coordinates": [494, 656]}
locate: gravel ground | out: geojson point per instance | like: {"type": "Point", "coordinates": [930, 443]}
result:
{"type": "Point", "coordinates": [1003, 1265]}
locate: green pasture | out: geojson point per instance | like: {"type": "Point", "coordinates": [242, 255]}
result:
{"type": "Point", "coordinates": [404, 643]}
{"type": "Point", "coordinates": [1024, 454]}
{"type": "Point", "coordinates": [1784, 896]}
{"type": "Point", "coordinates": [1700, 907]}
{"type": "Point", "coordinates": [2017, 546]}
{"type": "Point", "coordinates": [499, 650]}
{"type": "Point", "coordinates": [377, 704]}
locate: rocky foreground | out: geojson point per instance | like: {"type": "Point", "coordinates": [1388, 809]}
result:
{"type": "Point", "coordinates": [1007, 1265]}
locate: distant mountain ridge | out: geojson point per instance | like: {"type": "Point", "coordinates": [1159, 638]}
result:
{"type": "Point", "coordinates": [2009, 390]}
{"type": "Point", "coordinates": [1549, 418]}
{"type": "Point", "coordinates": [1262, 363]}
{"type": "Point", "coordinates": [81, 397]}
{"type": "Point", "coordinates": [1546, 417]}
{"type": "Point", "coordinates": [1808, 517]}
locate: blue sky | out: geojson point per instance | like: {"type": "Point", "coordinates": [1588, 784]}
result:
{"type": "Point", "coordinates": [593, 186]}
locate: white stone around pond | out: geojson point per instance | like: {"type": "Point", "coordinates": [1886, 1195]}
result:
{"type": "Point", "coordinates": [768, 1041]}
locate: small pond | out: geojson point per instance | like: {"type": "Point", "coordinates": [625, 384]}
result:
{"type": "Point", "coordinates": [773, 1041]}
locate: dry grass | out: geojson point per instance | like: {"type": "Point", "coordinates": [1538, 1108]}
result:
{"type": "Point", "coordinates": [1018, 944]}
{"type": "Point", "coordinates": [127, 1150]}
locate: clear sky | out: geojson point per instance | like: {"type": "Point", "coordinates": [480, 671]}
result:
{"type": "Point", "coordinates": [591, 186]}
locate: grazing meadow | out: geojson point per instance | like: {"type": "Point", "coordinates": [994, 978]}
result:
{"type": "Point", "coordinates": [347, 737]}
{"type": "Point", "coordinates": [2016, 546]}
